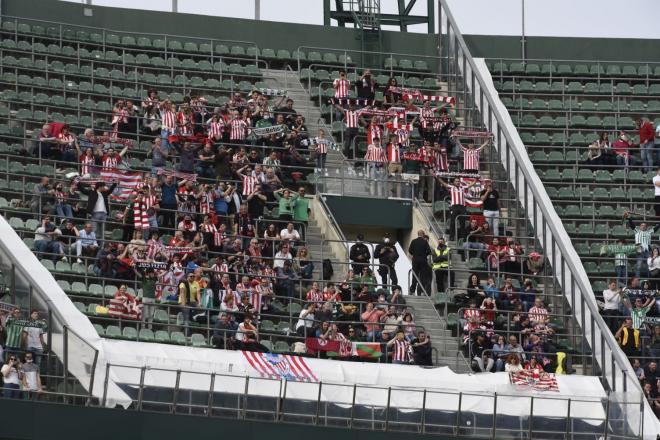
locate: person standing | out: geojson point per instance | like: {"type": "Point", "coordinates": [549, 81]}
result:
{"type": "Point", "coordinates": [34, 331]}
{"type": "Point", "coordinates": [419, 251]}
{"type": "Point", "coordinates": [387, 255]}
{"type": "Point", "coordinates": [643, 237]}
{"type": "Point", "coordinates": [456, 206]}
{"type": "Point", "coordinates": [441, 264]}
{"type": "Point", "coordinates": [656, 189]}
{"type": "Point", "coordinates": [31, 375]}
{"type": "Point", "coordinates": [646, 142]}
{"type": "Point", "coordinates": [11, 378]}
{"type": "Point", "coordinates": [359, 254]}
{"type": "Point", "coordinates": [491, 204]}
{"type": "Point", "coordinates": [97, 204]}
{"type": "Point", "coordinates": [375, 162]}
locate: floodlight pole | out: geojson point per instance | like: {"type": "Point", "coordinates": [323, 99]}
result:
{"type": "Point", "coordinates": [522, 41]}
{"type": "Point", "coordinates": [175, 5]}
{"type": "Point", "coordinates": [257, 9]}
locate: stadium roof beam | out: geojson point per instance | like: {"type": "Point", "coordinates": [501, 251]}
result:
{"type": "Point", "coordinates": [343, 14]}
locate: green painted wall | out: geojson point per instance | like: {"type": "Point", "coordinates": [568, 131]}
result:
{"type": "Point", "coordinates": [605, 49]}
{"type": "Point", "coordinates": [369, 212]}
{"type": "Point", "coordinates": [43, 421]}
{"type": "Point", "coordinates": [266, 34]}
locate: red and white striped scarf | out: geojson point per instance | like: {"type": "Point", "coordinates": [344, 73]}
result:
{"type": "Point", "coordinates": [140, 217]}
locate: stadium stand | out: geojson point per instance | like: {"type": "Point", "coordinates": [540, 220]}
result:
{"type": "Point", "coordinates": [172, 187]}
{"type": "Point", "coordinates": [589, 131]}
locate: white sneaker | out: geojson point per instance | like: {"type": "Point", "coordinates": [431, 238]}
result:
{"type": "Point", "coordinates": [65, 259]}
{"type": "Point", "coordinates": [326, 174]}
{"type": "Point", "coordinates": [79, 261]}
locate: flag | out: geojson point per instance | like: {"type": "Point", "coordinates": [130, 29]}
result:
{"type": "Point", "coordinates": [280, 366]}
{"type": "Point", "coordinates": [367, 349]}
{"type": "Point", "coordinates": [128, 181]}
{"type": "Point", "coordinates": [336, 348]}
{"type": "Point", "coordinates": [535, 379]}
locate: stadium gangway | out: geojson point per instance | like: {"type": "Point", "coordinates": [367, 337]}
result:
{"type": "Point", "coordinates": [536, 205]}
{"type": "Point", "coordinates": [60, 31]}
{"type": "Point", "coordinates": [390, 409]}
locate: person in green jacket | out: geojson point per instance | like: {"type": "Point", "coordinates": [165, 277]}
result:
{"type": "Point", "coordinates": [287, 203]}
{"type": "Point", "coordinates": [301, 211]}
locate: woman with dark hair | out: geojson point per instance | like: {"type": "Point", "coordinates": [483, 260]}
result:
{"type": "Point", "coordinates": [474, 288]}
{"type": "Point", "coordinates": [392, 92]}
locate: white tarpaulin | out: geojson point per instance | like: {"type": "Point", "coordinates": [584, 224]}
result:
{"type": "Point", "coordinates": [442, 385]}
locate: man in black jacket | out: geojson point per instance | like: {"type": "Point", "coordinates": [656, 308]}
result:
{"type": "Point", "coordinates": [366, 86]}
{"type": "Point", "coordinates": [419, 251]}
{"type": "Point", "coordinates": [359, 255]}
{"type": "Point", "coordinates": [97, 204]}
{"type": "Point", "coordinates": [387, 255]}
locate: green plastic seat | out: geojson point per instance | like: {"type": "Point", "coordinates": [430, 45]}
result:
{"type": "Point", "coordinates": [146, 335]}
{"type": "Point", "coordinates": [112, 331]}
{"type": "Point", "coordinates": [162, 336]}
{"type": "Point", "coordinates": [281, 347]}
{"type": "Point", "coordinates": [198, 340]}
{"type": "Point", "coordinates": [178, 338]}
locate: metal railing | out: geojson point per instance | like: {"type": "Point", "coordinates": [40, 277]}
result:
{"type": "Point", "coordinates": [536, 205]}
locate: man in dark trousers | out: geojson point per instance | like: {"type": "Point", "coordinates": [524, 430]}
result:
{"type": "Point", "coordinates": [387, 255]}
{"type": "Point", "coordinates": [359, 254]}
{"type": "Point", "coordinates": [98, 208]}
{"type": "Point", "coordinates": [419, 251]}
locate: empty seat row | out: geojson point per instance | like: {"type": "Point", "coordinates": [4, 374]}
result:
{"type": "Point", "coordinates": [579, 70]}
{"type": "Point", "coordinates": [577, 88]}
{"type": "Point", "coordinates": [585, 105]}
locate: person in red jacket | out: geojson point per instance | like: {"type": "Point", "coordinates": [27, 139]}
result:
{"type": "Point", "coordinates": [646, 142]}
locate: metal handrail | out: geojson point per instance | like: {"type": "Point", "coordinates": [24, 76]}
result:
{"type": "Point", "coordinates": [544, 219]}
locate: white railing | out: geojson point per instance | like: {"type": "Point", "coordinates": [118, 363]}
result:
{"type": "Point", "coordinates": [615, 370]}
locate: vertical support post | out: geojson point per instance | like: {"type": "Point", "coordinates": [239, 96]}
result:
{"type": "Point", "coordinates": [350, 421]}
{"type": "Point", "coordinates": [175, 6]}
{"type": "Point", "coordinates": [387, 408]}
{"type": "Point", "coordinates": [568, 419]}
{"type": "Point", "coordinates": [423, 423]}
{"type": "Point", "coordinates": [91, 377]}
{"type": "Point", "coordinates": [522, 40]}
{"type": "Point", "coordinates": [318, 404]}
{"type": "Point", "coordinates": [141, 389]}
{"type": "Point", "coordinates": [105, 384]}
{"type": "Point", "coordinates": [209, 406]}
{"type": "Point", "coordinates": [66, 358]}
{"type": "Point", "coordinates": [257, 9]}
{"type": "Point", "coordinates": [607, 417]}
{"type": "Point", "coordinates": [458, 413]}
{"type": "Point", "coordinates": [494, 416]}
{"type": "Point", "coordinates": [531, 418]}
{"type": "Point", "coordinates": [175, 397]}
{"type": "Point", "coordinates": [245, 394]}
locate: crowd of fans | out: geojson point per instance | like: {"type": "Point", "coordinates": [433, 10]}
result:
{"type": "Point", "coordinates": [192, 233]}
{"type": "Point", "coordinates": [22, 347]}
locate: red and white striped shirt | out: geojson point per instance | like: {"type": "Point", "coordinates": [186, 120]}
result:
{"type": "Point", "coordinates": [238, 129]}
{"type": "Point", "coordinates": [110, 163]}
{"type": "Point", "coordinates": [215, 129]}
{"type": "Point", "coordinates": [149, 201]}
{"type": "Point", "coordinates": [375, 154]}
{"type": "Point", "coordinates": [341, 87]}
{"type": "Point", "coordinates": [393, 153]}
{"type": "Point", "coordinates": [86, 164]}
{"type": "Point", "coordinates": [255, 299]}
{"type": "Point", "coordinates": [249, 183]}
{"type": "Point", "coordinates": [373, 132]}
{"type": "Point", "coordinates": [351, 118]}
{"type": "Point", "coordinates": [206, 202]}
{"type": "Point", "coordinates": [210, 228]}
{"type": "Point", "coordinates": [401, 352]}
{"type": "Point", "coordinates": [321, 146]}
{"type": "Point", "coordinates": [470, 158]}
{"type": "Point", "coordinates": [440, 160]}
{"type": "Point", "coordinates": [471, 313]}
{"type": "Point", "coordinates": [403, 137]}
{"type": "Point", "coordinates": [314, 296]}
{"type": "Point", "coordinates": [184, 122]}
{"type": "Point", "coordinates": [457, 195]}
{"type": "Point", "coordinates": [424, 155]}
{"type": "Point", "coordinates": [424, 114]}
{"type": "Point", "coordinates": [168, 120]}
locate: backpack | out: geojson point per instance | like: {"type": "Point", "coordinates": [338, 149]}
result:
{"type": "Point", "coordinates": [328, 271]}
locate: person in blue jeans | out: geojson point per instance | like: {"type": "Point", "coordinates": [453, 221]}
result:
{"type": "Point", "coordinates": [11, 378]}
